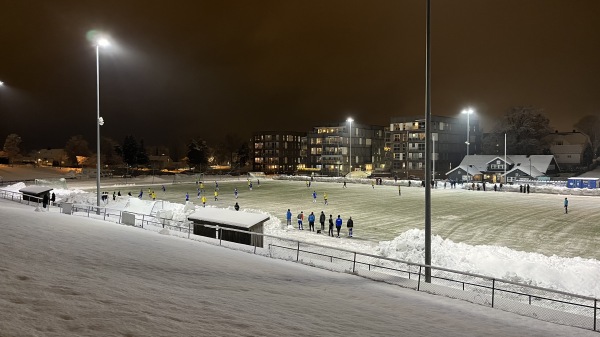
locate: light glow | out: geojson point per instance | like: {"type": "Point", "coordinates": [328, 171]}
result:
{"type": "Point", "coordinates": [103, 42]}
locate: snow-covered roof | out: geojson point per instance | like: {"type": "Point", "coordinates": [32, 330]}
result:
{"type": "Point", "coordinates": [479, 163]}
{"type": "Point", "coordinates": [470, 170]}
{"type": "Point", "coordinates": [228, 217]}
{"type": "Point", "coordinates": [502, 158]}
{"type": "Point", "coordinates": [32, 190]}
{"type": "Point", "coordinates": [538, 162]}
{"type": "Point", "coordinates": [525, 169]}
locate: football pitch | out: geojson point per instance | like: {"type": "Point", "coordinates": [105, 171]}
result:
{"type": "Point", "coordinates": [532, 222]}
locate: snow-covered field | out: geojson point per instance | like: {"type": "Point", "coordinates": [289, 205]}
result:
{"type": "Point", "coordinates": [66, 276]}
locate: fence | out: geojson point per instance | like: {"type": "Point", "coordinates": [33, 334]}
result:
{"type": "Point", "coordinates": [18, 197]}
{"type": "Point", "coordinates": [537, 302]}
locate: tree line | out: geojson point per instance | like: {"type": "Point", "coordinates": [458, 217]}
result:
{"type": "Point", "coordinates": [131, 152]}
{"type": "Point", "coordinates": [526, 129]}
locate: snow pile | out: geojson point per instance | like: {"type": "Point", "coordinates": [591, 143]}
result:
{"type": "Point", "coordinates": [574, 275]}
{"type": "Point", "coordinates": [14, 187]}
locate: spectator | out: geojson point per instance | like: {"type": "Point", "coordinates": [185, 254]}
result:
{"type": "Point", "coordinates": [45, 200]}
{"type": "Point", "coordinates": [300, 219]}
{"type": "Point", "coordinates": [350, 225]}
{"type": "Point", "coordinates": [322, 221]}
{"type": "Point", "coordinates": [311, 222]}
{"type": "Point", "coordinates": [338, 225]}
{"type": "Point", "coordinates": [288, 217]}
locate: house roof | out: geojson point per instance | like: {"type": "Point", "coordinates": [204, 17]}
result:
{"type": "Point", "coordinates": [470, 170]}
{"type": "Point", "coordinates": [50, 153]}
{"type": "Point", "coordinates": [539, 163]}
{"type": "Point", "coordinates": [159, 158]}
{"type": "Point", "coordinates": [525, 169]}
{"type": "Point", "coordinates": [568, 138]}
{"type": "Point", "coordinates": [475, 163]}
{"type": "Point", "coordinates": [35, 190]}
{"type": "Point", "coordinates": [501, 158]}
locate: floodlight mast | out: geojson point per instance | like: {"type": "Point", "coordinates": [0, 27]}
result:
{"type": "Point", "coordinates": [350, 120]}
{"type": "Point", "coordinates": [468, 111]}
{"type": "Point", "coordinates": [100, 42]}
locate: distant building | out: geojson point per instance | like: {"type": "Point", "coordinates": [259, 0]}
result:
{"type": "Point", "coordinates": [406, 142]}
{"type": "Point", "coordinates": [491, 168]}
{"type": "Point", "coordinates": [569, 148]}
{"type": "Point", "coordinates": [276, 151]}
{"type": "Point", "coordinates": [50, 157]}
{"type": "Point", "coordinates": [329, 151]}
{"type": "Point", "coordinates": [160, 162]}
{"type": "Point", "coordinates": [157, 150]}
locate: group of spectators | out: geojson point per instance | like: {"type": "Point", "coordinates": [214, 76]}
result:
{"type": "Point", "coordinates": [322, 218]}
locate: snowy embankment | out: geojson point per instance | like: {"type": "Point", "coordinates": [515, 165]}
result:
{"type": "Point", "coordinates": [574, 275]}
{"type": "Point", "coordinates": [77, 276]}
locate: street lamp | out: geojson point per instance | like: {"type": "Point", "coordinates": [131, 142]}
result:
{"type": "Point", "coordinates": [468, 111]}
{"type": "Point", "coordinates": [100, 42]}
{"type": "Point", "coordinates": [350, 120]}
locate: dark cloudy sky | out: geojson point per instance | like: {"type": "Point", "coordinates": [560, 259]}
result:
{"type": "Point", "coordinates": [182, 69]}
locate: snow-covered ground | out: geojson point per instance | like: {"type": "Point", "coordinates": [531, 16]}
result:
{"type": "Point", "coordinates": [27, 172]}
{"type": "Point", "coordinates": [508, 235]}
{"type": "Point", "coordinates": [66, 276]}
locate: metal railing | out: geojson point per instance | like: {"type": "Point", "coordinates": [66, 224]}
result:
{"type": "Point", "coordinates": [19, 197]}
{"type": "Point", "coordinates": [537, 302]}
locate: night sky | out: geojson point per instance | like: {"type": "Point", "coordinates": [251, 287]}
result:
{"type": "Point", "coordinates": [180, 69]}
